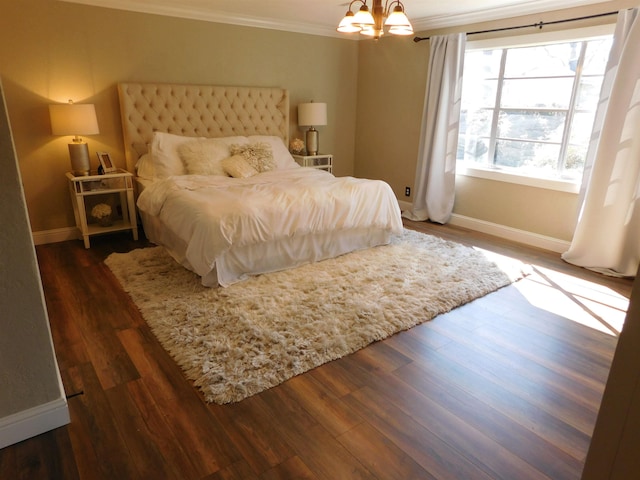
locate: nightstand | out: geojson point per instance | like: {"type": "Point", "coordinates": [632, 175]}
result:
{"type": "Point", "coordinates": [86, 190]}
{"type": "Point", "coordinates": [321, 161]}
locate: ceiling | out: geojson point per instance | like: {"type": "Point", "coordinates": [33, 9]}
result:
{"type": "Point", "coordinates": [321, 17]}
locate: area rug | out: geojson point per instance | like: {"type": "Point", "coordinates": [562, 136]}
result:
{"type": "Point", "coordinates": [237, 341]}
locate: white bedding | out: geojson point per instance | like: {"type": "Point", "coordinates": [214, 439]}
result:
{"type": "Point", "coordinates": [226, 228]}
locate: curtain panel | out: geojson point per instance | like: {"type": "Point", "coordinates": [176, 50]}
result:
{"type": "Point", "coordinates": [607, 235]}
{"type": "Point", "coordinates": [436, 166]}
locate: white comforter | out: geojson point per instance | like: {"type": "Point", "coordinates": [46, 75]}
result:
{"type": "Point", "coordinates": [213, 214]}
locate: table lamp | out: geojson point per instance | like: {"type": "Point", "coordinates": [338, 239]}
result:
{"type": "Point", "coordinates": [75, 119]}
{"type": "Point", "coordinates": [310, 115]}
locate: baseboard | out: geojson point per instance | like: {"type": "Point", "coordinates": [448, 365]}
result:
{"type": "Point", "coordinates": [521, 236]}
{"type": "Point", "coordinates": [33, 421]}
{"type": "Point", "coordinates": [55, 235]}
{"type": "Point", "coordinates": [509, 233]}
{"type": "Point", "coordinates": [405, 205]}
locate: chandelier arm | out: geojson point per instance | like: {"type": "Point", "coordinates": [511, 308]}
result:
{"type": "Point", "coordinates": [363, 2]}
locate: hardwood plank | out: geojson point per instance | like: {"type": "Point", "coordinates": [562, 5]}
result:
{"type": "Point", "coordinates": [517, 409]}
{"type": "Point", "coordinates": [148, 439]}
{"type": "Point", "coordinates": [190, 421]}
{"type": "Point", "coordinates": [251, 429]}
{"type": "Point", "coordinates": [239, 470]}
{"type": "Point", "coordinates": [435, 456]}
{"type": "Point", "coordinates": [290, 468]}
{"type": "Point", "coordinates": [539, 390]}
{"type": "Point", "coordinates": [93, 434]}
{"type": "Point", "coordinates": [525, 443]}
{"type": "Point", "coordinates": [380, 455]}
{"type": "Point", "coordinates": [322, 404]}
{"type": "Point", "coordinates": [325, 457]}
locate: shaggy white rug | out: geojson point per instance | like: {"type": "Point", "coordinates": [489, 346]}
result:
{"type": "Point", "coordinates": [237, 341]}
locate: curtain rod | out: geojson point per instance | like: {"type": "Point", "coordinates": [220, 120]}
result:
{"type": "Point", "coordinates": [538, 25]}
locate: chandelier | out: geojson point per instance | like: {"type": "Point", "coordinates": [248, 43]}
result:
{"type": "Point", "coordinates": [372, 23]}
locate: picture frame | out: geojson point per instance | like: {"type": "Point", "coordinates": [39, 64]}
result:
{"type": "Point", "coordinates": [105, 162]}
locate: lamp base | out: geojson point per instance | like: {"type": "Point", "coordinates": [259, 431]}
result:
{"type": "Point", "coordinates": [79, 154]}
{"type": "Point", "coordinates": [312, 141]}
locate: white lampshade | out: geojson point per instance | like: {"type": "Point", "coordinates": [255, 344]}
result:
{"type": "Point", "coordinates": [75, 119]}
{"type": "Point", "coordinates": [312, 114]}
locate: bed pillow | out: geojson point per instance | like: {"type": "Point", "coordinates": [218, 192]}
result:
{"type": "Point", "coordinates": [281, 155]}
{"type": "Point", "coordinates": [237, 166]}
{"type": "Point", "coordinates": [258, 155]}
{"type": "Point", "coordinates": [204, 157]}
{"type": "Point", "coordinates": [145, 167]}
{"type": "Point", "coordinates": [164, 153]}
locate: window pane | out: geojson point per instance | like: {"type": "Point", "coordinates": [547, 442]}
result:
{"type": "Point", "coordinates": [480, 64]}
{"type": "Point", "coordinates": [476, 122]}
{"type": "Point", "coordinates": [529, 157]}
{"type": "Point", "coordinates": [479, 94]}
{"type": "Point", "coordinates": [537, 93]}
{"type": "Point", "coordinates": [543, 61]}
{"type": "Point", "coordinates": [596, 56]}
{"type": "Point", "coordinates": [473, 139]}
{"type": "Point", "coordinates": [531, 125]}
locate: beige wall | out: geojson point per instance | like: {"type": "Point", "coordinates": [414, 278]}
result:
{"type": "Point", "coordinates": [391, 82]}
{"type": "Point", "coordinates": [52, 51]}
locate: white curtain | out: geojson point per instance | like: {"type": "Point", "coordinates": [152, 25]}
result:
{"type": "Point", "coordinates": [607, 236]}
{"type": "Point", "coordinates": [436, 169]}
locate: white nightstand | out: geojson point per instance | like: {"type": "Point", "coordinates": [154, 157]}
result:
{"type": "Point", "coordinates": [321, 161]}
{"type": "Point", "coordinates": [84, 187]}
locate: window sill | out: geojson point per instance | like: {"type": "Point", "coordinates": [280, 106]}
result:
{"type": "Point", "coordinates": [501, 176]}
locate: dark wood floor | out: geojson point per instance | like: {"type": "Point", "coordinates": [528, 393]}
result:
{"type": "Point", "coordinates": [507, 387]}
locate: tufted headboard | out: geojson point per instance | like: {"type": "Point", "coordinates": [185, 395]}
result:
{"type": "Point", "coordinates": [199, 111]}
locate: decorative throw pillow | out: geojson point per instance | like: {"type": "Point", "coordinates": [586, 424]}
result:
{"type": "Point", "coordinates": [238, 167]}
{"type": "Point", "coordinates": [204, 157]}
{"type": "Point", "coordinates": [164, 153]}
{"type": "Point", "coordinates": [281, 155]}
{"type": "Point", "coordinates": [258, 155]}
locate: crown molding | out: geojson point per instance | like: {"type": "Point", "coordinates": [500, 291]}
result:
{"type": "Point", "coordinates": [419, 24]}
{"type": "Point", "coordinates": [486, 15]}
{"type": "Point", "coordinates": [209, 15]}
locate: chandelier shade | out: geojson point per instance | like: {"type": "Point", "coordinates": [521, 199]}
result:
{"type": "Point", "coordinates": [372, 23]}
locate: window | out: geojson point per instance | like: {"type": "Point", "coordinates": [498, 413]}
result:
{"type": "Point", "coordinates": [528, 109]}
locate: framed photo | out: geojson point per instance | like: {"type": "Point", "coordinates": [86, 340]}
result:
{"type": "Point", "coordinates": [105, 162]}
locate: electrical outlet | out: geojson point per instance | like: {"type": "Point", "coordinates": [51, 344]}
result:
{"type": "Point", "coordinates": [407, 191]}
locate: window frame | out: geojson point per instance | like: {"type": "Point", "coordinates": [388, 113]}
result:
{"type": "Point", "coordinates": [543, 38]}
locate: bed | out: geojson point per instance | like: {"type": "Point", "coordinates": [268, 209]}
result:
{"type": "Point", "coordinates": [218, 188]}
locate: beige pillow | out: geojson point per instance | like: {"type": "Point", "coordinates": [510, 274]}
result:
{"type": "Point", "coordinates": [258, 155]}
{"type": "Point", "coordinates": [281, 156]}
{"type": "Point", "coordinates": [238, 167]}
{"type": "Point", "coordinates": [204, 157]}
{"type": "Point", "coordinates": [164, 154]}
